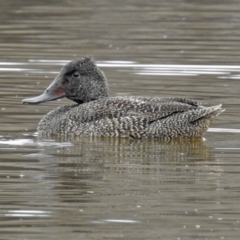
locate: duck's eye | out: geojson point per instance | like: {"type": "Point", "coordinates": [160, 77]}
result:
{"type": "Point", "coordinates": [75, 74]}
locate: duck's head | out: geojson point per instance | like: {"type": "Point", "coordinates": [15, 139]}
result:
{"type": "Point", "coordinates": [80, 80]}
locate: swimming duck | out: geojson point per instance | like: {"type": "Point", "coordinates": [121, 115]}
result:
{"type": "Point", "coordinates": [96, 114]}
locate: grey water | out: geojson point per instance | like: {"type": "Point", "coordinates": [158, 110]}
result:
{"type": "Point", "coordinates": [106, 188]}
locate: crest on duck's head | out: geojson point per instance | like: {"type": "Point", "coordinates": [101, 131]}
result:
{"type": "Point", "coordinates": [83, 65]}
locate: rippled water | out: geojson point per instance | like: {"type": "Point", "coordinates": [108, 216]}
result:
{"type": "Point", "coordinates": [100, 188]}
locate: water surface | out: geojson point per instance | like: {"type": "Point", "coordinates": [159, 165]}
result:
{"type": "Point", "coordinates": [101, 188]}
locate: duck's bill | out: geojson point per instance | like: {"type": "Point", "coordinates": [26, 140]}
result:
{"type": "Point", "coordinates": [45, 97]}
{"type": "Point", "coordinates": [53, 92]}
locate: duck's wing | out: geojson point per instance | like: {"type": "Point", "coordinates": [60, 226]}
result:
{"type": "Point", "coordinates": [160, 111]}
{"type": "Point", "coordinates": [164, 124]}
{"type": "Point", "coordinates": [174, 122]}
{"type": "Point", "coordinates": [129, 106]}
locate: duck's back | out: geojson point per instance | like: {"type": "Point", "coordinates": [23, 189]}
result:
{"type": "Point", "coordinates": [131, 117]}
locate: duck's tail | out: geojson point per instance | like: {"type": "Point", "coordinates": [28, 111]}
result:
{"type": "Point", "coordinates": [203, 117]}
{"type": "Point", "coordinates": [206, 113]}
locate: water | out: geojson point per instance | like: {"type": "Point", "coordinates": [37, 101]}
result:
{"type": "Point", "coordinates": [100, 188]}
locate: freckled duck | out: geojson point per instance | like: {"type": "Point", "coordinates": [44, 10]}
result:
{"type": "Point", "coordinates": [96, 114]}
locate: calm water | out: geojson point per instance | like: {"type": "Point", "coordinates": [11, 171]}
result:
{"type": "Point", "coordinates": [120, 188]}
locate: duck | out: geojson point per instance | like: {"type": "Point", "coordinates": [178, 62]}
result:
{"type": "Point", "coordinates": [94, 113]}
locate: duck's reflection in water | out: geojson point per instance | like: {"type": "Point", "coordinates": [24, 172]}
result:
{"type": "Point", "coordinates": [122, 154]}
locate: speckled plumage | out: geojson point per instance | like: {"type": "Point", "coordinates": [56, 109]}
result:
{"type": "Point", "coordinates": [96, 114]}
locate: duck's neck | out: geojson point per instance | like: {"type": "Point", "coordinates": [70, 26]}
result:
{"type": "Point", "coordinates": [78, 101]}
{"type": "Point", "coordinates": [90, 95]}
